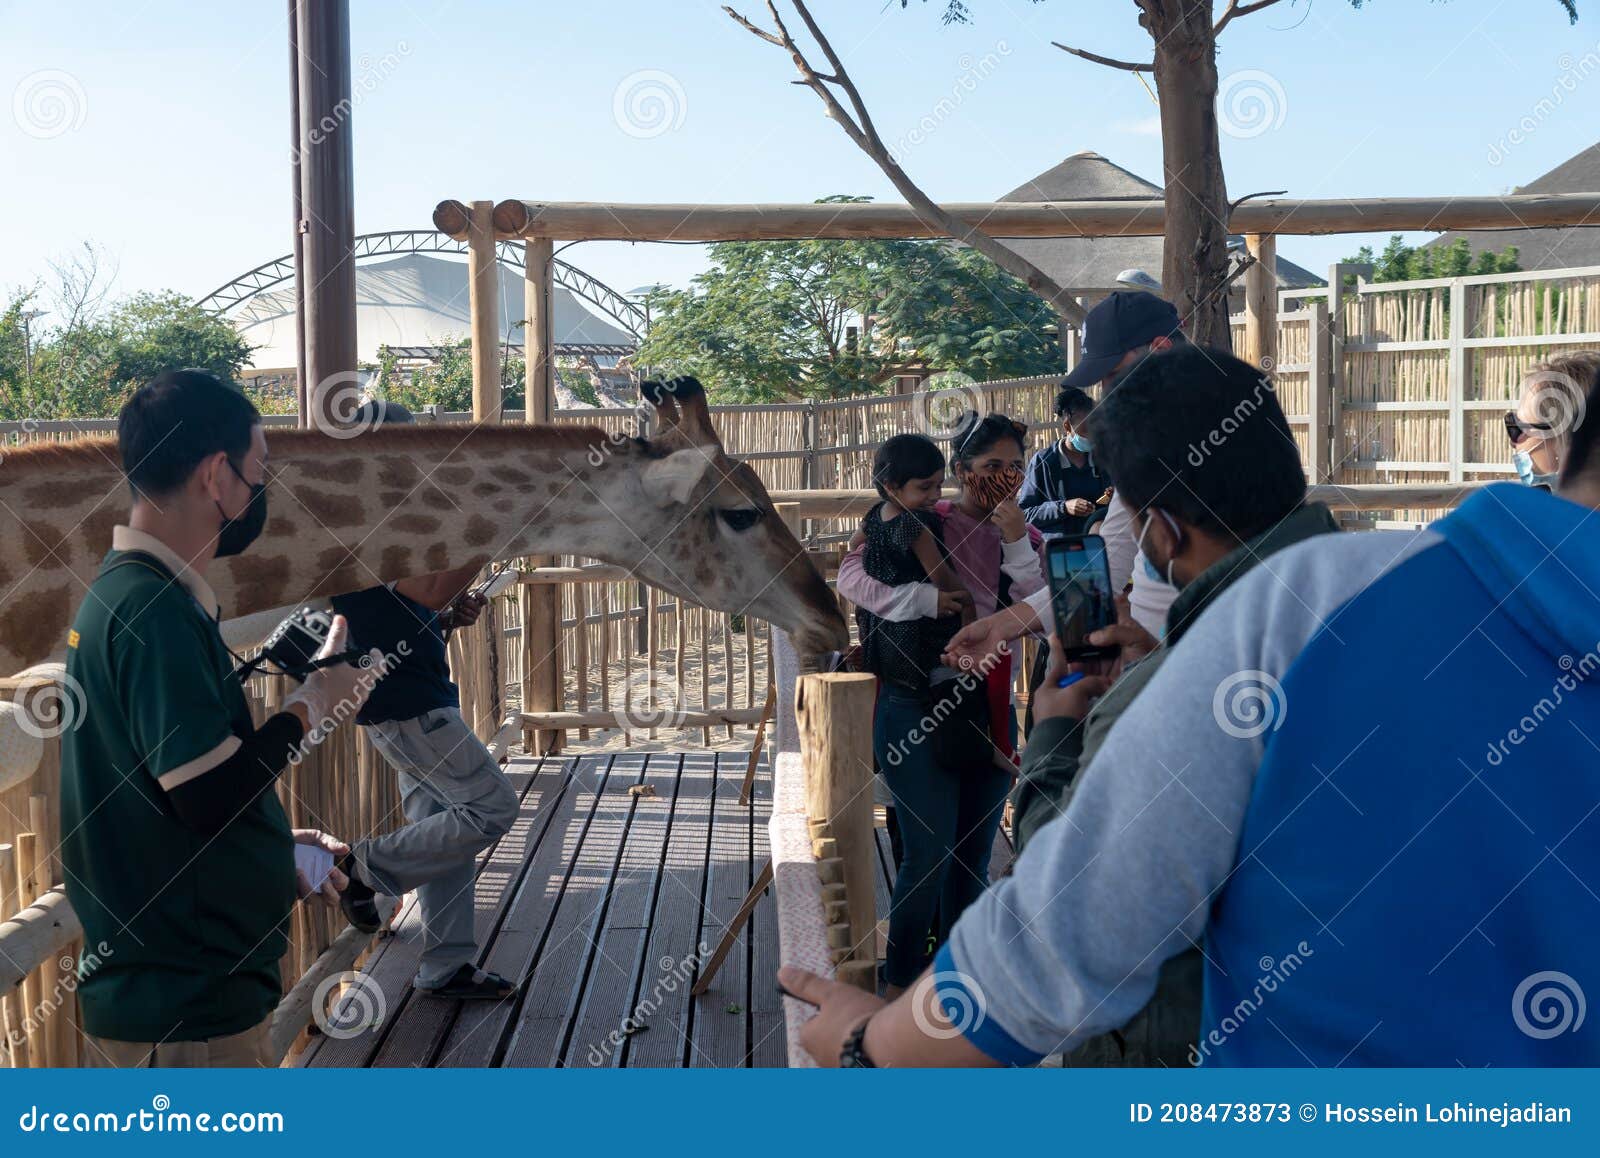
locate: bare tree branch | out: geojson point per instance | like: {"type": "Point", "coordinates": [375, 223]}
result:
{"type": "Point", "coordinates": [1127, 66]}
{"type": "Point", "coordinates": [1237, 9]}
{"type": "Point", "coordinates": [860, 129]}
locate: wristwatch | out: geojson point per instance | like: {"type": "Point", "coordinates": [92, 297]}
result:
{"type": "Point", "coordinates": [853, 1053]}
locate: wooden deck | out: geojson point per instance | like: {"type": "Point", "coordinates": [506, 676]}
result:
{"type": "Point", "coordinates": [605, 904]}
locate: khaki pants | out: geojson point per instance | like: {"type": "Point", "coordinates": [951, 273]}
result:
{"type": "Point", "coordinates": [249, 1049]}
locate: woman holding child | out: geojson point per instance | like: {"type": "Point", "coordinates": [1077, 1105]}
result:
{"type": "Point", "coordinates": [943, 739]}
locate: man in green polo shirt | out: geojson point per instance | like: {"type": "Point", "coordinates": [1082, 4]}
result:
{"type": "Point", "coordinates": [178, 855]}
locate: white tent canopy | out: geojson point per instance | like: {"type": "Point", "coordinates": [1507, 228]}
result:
{"type": "Point", "coordinates": [418, 300]}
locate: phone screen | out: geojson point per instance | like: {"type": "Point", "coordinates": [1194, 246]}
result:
{"type": "Point", "coordinates": [1080, 591]}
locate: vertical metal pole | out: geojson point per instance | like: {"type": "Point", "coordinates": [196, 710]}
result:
{"type": "Point", "coordinates": [327, 196]}
{"type": "Point", "coordinates": [297, 225]}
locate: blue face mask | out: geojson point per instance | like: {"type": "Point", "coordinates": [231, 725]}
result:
{"type": "Point", "coordinates": [1079, 443]}
{"type": "Point", "coordinates": [1150, 570]}
{"type": "Point", "coordinates": [1523, 461]}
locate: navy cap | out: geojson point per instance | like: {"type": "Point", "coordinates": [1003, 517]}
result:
{"type": "Point", "coordinates": [1123, 321]}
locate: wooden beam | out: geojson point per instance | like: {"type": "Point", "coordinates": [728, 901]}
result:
{"type": "Point", "coordinates": [581, 221]}
{"type": "Point", "coordinates": [483, 273]}
{"type": "Point", "coordinates": [297, 1008]}
{"type": "Point", "coordinates": [546, 721]}
{"type": "Point", "coordinates": [30, 936]}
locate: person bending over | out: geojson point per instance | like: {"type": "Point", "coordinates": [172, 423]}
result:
{"type": "Point", "coordinates": [179, 860]}
{"type": "Point", "coordinates": [457, 800]}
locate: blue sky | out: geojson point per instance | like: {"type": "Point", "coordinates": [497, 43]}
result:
{"type": "Point", "coordinates": [172, 152]}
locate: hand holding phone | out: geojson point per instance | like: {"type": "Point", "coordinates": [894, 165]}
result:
{"type": "Point", "coordinates": [1081, 595]}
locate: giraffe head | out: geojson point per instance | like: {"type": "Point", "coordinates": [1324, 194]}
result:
{"type": "Point", "coordinates": [708, 530]}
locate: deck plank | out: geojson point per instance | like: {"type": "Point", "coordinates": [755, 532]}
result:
{"type": "Point", "coordinates": [606, 1014]}
{"type": "Point", "coordinates": [555, 988]}
{"type": "Point", "coordinates": [720, 1024]}
{"type": "Point", "coordinates": [422, 1023]}
{"type": "Point", "coordinates": [768, 1047]}
{"type": "Point", "coordinates": [673, 951]}
{"type": "Point", "coordinates": [475, 1038]}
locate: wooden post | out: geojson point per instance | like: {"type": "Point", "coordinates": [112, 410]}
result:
{"type": "Point", "coordinates": [1459, 377]}
{"type": "Point", "coordinates": [1338, 449]}
{"type": "Point", "coordinates": [27, 892]}
{"type": "Point", "coordinates": [538, 359]}
{"type": "Point", "coordinates": [483, 274]}
{"type": "Point", "coordinates": [11, 1002]}
{"type": "Point", "coordinates": [541, 620]}
{"type": "Point", "coordinates": [1261, 303]}
{"type": "Point", "coordinates": [834, 713]}
{"type": "Point", "coordinates": [327, 206]}
{"type": "Point", "coordinates": [1319, 438]}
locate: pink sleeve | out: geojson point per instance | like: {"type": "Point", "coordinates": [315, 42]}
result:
{"type": "Point", "coordinates": [860, 588]}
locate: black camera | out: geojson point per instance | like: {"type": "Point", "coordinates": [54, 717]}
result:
{"type": "Point", "coordinates": [294, 642]}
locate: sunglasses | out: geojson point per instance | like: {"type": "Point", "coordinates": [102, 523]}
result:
{"type": "Point", "coordinates": [1517, 430]}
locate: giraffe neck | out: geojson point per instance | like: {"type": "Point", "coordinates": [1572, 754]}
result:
{"type": "Point", "coordinates": [343, 515]}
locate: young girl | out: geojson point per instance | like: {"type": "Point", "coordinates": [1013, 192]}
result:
{"type": "Point", "coordinates": [903, 543]}
{"type": "Point", "coordinates": [937, 743]}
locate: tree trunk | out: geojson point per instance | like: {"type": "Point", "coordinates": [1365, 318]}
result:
{"type": "Point", "coordinates": [1195, 261]}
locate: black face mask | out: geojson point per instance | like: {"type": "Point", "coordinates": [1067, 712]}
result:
{"type": "Point", "coordinates": [244, 528]}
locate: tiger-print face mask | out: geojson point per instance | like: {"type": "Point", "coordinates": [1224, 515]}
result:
{"type": "Point", "coordinates": [990, 490]}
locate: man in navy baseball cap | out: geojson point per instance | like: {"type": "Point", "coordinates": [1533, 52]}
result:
{"type": "Point", "coordinates": [1119, 330]}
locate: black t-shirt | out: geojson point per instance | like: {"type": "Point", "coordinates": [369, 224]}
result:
{"type": "Point", "coordinates": [409, 636]}
{"type": "Point", "coordinates": [903, 654]}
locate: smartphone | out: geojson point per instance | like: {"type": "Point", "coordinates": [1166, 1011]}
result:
{"type": "Point", "coordinates": [1080, 593]}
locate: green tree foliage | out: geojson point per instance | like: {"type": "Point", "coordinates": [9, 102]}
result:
{"type": "Point", "coordinates": [447, 383]}
{"type": "Point", "coordinates": [778, 320]}
{"type": "Point", "coordinates": [89, 368]}
{"type": "Point", "coordinates": [1402, 262]}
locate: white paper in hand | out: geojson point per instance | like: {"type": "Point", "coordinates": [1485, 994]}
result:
{"type": "Point", "coordinates": [315, 862]}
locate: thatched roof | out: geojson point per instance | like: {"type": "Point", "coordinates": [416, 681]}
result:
{"type": "Point", "coordinates": [1091, 264]}
{"type": "Point", "coordinates": [1560, 248]}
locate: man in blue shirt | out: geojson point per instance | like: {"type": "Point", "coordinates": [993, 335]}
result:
{"type": "Point", "coordinates": [457, 801]}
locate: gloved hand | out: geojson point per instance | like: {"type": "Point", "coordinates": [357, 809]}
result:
{"type": "Point", "coordinates": [333, 694]}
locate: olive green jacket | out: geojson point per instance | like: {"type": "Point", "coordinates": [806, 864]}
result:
{"type": "Point", "coordinates": [1165, 1031]}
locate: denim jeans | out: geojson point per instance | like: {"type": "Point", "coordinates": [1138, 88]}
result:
{"type": "Point", "coordinates": [948, 796]}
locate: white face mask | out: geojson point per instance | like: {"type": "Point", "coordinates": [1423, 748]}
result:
{"type": "Point", "coordinates": [1523, 461]}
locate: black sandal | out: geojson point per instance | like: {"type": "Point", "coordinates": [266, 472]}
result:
{"type": "Point", "coordinates": [469, 984]}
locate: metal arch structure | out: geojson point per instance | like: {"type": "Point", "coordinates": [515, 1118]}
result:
{"type": "Point", "coordinates": [569, 277]}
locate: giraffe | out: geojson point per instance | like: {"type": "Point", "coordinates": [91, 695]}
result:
{"type": "Point", "coordinates": [351, 512]}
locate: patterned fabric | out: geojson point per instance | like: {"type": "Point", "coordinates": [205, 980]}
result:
{"type": "Point", "coordinates": [901, 653]}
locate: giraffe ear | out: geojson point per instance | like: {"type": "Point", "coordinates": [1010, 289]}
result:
{"type": "Point", "coordinates": [671, 480]}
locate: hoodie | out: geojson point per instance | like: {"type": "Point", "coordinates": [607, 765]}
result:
{"type": "Point", "coordinates": [1366, 783]}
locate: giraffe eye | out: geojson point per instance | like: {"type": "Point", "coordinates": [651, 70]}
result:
{"type": "Point", "coordinates": [740, 518]}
